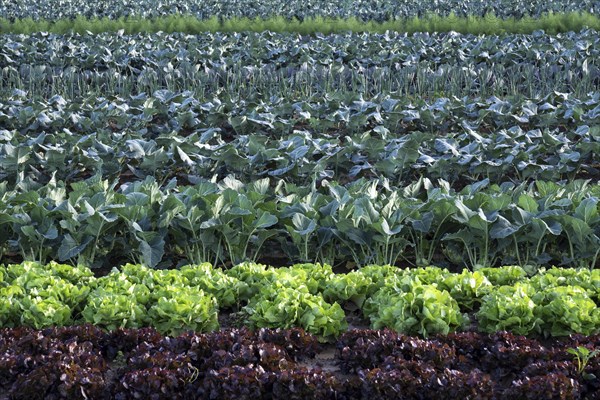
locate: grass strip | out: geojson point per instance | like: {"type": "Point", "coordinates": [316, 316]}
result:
{"type": "Point", "coordinates": [550, 23]}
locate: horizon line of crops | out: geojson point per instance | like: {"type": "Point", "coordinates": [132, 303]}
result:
{"type": "Point", "coordinates": [551, 23]}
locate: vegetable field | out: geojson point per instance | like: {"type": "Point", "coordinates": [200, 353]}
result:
{"type": "Point", "coordinates": [300, 199]}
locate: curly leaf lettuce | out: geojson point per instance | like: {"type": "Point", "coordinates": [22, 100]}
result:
{"type": "Point", "coordinates": [567, 309]}
{"type": "Point", "coordinates": [423, 309]}
{"type": "Point", "coordinates": [40, 312]}
{"type": "Point", "coordinates": [278, 306]}
{"type": "Point", "coordinates": [183, 308]}
{"type": "Point", "coordinates": [510, 308]}
{"type": "Point", "coordinates": [114, 310]}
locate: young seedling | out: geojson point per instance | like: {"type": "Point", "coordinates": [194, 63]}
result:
{"type": "Point", "coordinates": [583, 355]}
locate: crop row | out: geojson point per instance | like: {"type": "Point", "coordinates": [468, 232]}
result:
{"type": "Point", "coordinates": [175, 135]}
{"type": "Point", "coordinates": [366, 222]}
{"type": "Point", "coordinates": [84, 362]}
{"type": "Point", "coordinates": [470, 365]}
{"type": "Point", "coordinates": [247, 65]}
{"type": "Point", "coordinates": [379, 10]}
{"type": "Point", "coordinates": [424, 301]}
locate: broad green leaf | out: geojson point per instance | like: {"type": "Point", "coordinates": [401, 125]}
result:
{"type": "Point", "coordinates": [424, 223]}
{"type": "Point", "coordinates": [587, 210]}
{"type": "Point", "coordinates": [265, 220]}
{"type": "Point", "coordinates": [303, 225]}
{"type": "Point", "coordinates": [70, 248]}
{"type": "Point", "coordinates": [152, 252]}
{"type": "Point", "coordinates": [528, 203]}
{"type": "Point", "coordinates": [503, 228]}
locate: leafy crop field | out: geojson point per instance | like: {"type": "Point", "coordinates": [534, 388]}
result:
{"type": "Point", "coordinates": [337, 199]}
{"type": "Point", "coordinates": [254, 67]}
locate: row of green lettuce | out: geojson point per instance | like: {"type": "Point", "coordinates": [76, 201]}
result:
{"type": "Point", "coordinates": [478, 25]}
{"type": "Point", "coordinates": [175, 135]}
{"type": "Point", "coordinates": [425, 301]}
{"type": "Point", "coordinates": [256, 66]}
{"type": "Point", "coordinates": [94, 223]}
{"type": "Point", "coordinates": [365, 10]}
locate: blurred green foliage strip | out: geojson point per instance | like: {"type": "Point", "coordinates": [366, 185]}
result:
{"type": "Point", "coordinates": [488, 24]}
